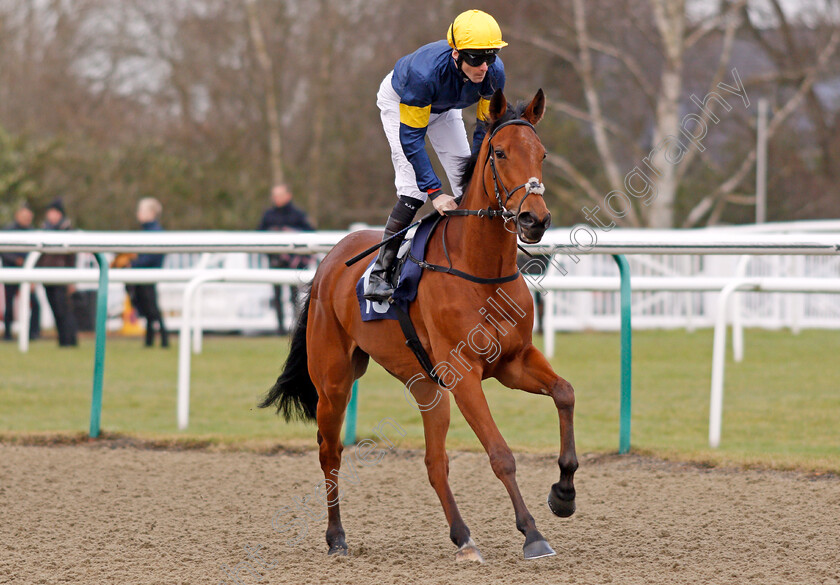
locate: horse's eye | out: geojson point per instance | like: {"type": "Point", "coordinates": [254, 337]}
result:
{"type": "Point", "coordinates": [500, 153]}
{"type": "Point", "coordinates": [545, 154]}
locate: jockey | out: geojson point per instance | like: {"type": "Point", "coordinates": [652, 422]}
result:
{"type": "Point", "coordinates": [425, 94]}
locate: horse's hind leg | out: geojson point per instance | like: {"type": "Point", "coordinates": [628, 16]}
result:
{"type": "Point", "coordinates": [434, 406]}
{"type": "Point", "coordinates": [332, 373]}
{"type": "Point", "coordinates": [332, 404]}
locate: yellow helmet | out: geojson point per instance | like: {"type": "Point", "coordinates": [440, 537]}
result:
{"type": "Point", "coordinates": [475, 29]}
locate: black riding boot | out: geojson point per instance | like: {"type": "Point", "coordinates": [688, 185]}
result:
{"type": "Point", "coordinates": [379, 287]}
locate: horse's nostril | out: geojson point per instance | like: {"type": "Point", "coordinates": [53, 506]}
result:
{"type": "Point", "coordinates": [527, 219]}
{"type": "Point", "coordinates": [547, 221]}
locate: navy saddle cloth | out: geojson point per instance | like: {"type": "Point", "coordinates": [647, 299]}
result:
{"type": "Point", "coordinates": [409, 278]}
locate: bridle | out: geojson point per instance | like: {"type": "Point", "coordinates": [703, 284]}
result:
{"type": "Point", "coordinates": [532, 186]}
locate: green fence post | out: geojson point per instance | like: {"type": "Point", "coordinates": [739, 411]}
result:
{"type": "Point", "coordinates": [99, 355]}
{"type": "Point", "coordinates": [350, 419]}
{"type": "Point", "coordinates": [626, 355]}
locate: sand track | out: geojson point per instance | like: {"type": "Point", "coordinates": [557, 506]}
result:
{"type": "Point", "coordinates": [93, 514]}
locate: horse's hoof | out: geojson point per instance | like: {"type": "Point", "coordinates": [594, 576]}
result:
{"type": "Point", "coordinates": [538, 549]}
{"type": "Point", "coordinates": [560, 503]}
{"type": "Point", "coordinates": [338, 550]}
{"type": "Point", "coordinates": [468, 552]}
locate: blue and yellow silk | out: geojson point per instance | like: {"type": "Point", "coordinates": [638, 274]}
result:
{"type": "Point", "coordinates": [428, 82]}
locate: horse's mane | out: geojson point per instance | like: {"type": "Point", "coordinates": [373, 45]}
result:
{"type": "Point", "coordinates": [468, 164]}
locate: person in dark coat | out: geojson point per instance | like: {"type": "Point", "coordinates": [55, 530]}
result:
{"type": "Point", "coordinates": [59, 294]}
{"type": "Point", "coordinates": [144, 296]}
{"type": "Point", "coordinates": [285, 216]}
{"type": "Point", "coordinates": [23, 221]}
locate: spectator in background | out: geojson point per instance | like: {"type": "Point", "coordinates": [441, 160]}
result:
{"type": "Point", "coordinates": [59, 294]}
{"type": "Point", "coordinates": [144, 296]}
{"type": "Point", "coordinates": [285, 216]}
{"type": "Point", "coordinates": [23, 221]}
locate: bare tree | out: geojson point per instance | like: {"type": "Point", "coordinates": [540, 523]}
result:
{"type": "Point", "coordinates": [271, 114]}
{"type": "Point", "coordinates": [662, 25]}
{"type": "Point", "coordinates": [205, 103]}
{"type": "Point", "coordinates": [623, 47]}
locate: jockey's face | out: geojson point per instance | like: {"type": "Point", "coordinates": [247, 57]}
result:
{"type": "Point", "coordinates": [474, 74]}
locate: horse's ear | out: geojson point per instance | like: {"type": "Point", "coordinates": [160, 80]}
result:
{"type": "Point", "coordinates": [535, 110]}
{"type": "Point", "coordinates": [498, 105]}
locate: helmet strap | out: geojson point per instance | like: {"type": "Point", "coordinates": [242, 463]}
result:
{"type": "Point", "coordinates": [459, 63]}
{"type": "Point", "coordinates": [460, 60]}
{"type": "Point", "coordinates": [452, 36]}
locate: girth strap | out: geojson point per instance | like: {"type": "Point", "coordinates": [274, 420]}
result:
{"type": "Point", "coordinates": [413, 343]}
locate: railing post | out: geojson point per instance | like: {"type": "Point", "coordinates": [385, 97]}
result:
{"type": "Point", "coordinates": [183, 406]}
{"type": "Point", "coordinates": [626, 355]}
{"type": "Point", "coordinates": [24, 308]}
{"type": "Point", "coordinates": [350, 425]}
{"type": "Point", "coordinates": [719, 360]}
{"type": "Point", "coordinates": [99, 354]}
{"type": "Point", "coordinates": [736, 308]}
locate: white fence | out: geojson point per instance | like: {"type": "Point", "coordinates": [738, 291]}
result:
{"type": "Point", "coordinates": [224, 307]}
{"type": "Point", "coordinates": [816, 253]}
{"type": "Point", "coordinates": [247, 308]}
{"type": "Point", "coordinates": [599, 310]}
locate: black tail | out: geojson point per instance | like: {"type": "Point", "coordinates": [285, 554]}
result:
{"type": "Point", "coordinates": [294, 394]}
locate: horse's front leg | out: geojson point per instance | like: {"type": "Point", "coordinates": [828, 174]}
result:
{"type": "Point", "coordinates": [473, 405]}
{"type": "Point", "coordinates": [433, 403]}
{"type": "Point", "coordinates": [532, 372]}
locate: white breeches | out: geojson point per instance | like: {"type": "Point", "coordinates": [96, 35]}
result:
{"type": "Point", "coordinates": [446, 133]}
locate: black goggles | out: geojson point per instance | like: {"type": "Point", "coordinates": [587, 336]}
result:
{"type": "Point", "coordinates": [476, 58]}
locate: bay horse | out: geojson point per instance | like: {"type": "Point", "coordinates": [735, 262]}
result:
{"type": "Point", "coordinates": [331, 345]}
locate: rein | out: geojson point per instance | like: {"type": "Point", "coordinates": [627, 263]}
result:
{"type": "Point", "coordinates": [532, 186]}
{"type": "Point", "coordinates": [454, 271]}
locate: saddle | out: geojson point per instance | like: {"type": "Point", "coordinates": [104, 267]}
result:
{"type": "Point", "coordinates": [405, 275]}
{"type": "Point", "coordinates": [409, 267]}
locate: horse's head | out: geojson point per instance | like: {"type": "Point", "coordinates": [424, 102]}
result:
{"type": "Point", "coordinates": [513, 169]}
